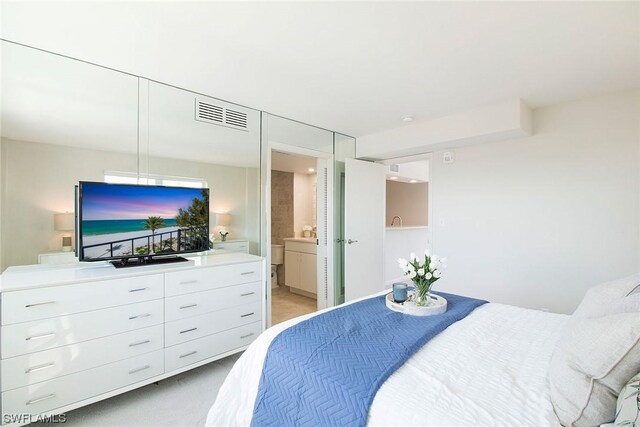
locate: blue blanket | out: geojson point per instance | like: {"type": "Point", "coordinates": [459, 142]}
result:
{"type": "Point", "coordinates": [326, 370]}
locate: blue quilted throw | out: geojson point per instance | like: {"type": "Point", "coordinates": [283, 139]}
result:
{"type": "Point", "coordinates": [325, 371]}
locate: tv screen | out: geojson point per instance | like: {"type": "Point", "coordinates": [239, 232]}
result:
{"type": "Point", "coordinates": [119, 221]}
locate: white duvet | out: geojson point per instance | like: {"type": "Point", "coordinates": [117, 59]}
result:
{"type": "Point", "coordinates": [489, 369]}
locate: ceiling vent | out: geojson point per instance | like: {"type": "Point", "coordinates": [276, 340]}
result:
{"type": "Point", "coordinates": [218, 115]}
{"type": "Point", "coordinates": [394, 168]}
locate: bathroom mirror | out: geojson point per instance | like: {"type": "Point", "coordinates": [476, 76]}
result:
{"type": "Point", "coordinates": [61, 121]}
{"type": "Point", "coordinates": [194, 140]}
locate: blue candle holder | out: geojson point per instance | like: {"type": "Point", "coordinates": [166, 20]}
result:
{"type": "Point", "coordinates": [400, 292]}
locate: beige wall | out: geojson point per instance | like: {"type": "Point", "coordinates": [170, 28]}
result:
{"type": "Point", "coordinates": [409, 201]}
{"type": "Point", "coordinates": [39, 180]}
{"type": "Point", "coordinates": [536, 221]}
{"type": "Point", "coordinates": [281, 206]}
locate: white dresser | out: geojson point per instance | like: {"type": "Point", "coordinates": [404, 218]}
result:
{"type": "Point", "coordinates": [73, 335]}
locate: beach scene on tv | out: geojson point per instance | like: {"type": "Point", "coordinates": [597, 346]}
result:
{"type": "Point", "coordinates": [133, 220]}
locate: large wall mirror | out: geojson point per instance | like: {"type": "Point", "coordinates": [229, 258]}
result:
{"type": "Point", "coordinates": [193, 139]}
{"type": "Point", "coordinates": [62, 121]}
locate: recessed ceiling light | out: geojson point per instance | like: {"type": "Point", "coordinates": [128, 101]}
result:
{"type": "Point", "coordinates": [312, 170]}
{"type": "Point", "coordinates": [407, 119]}
{"type": "Point", "coordinates": [413, 181]}
{"type": "Point", "coordinates": [393, 178]}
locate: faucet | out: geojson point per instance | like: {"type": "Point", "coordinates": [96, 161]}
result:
{"type": "Point", "coordinates": [394, 219]}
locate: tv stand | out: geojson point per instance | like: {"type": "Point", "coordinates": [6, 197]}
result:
{"type": "Point", "coordinates": [137, 262]}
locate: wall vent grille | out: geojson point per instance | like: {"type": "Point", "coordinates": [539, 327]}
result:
{"type": "Point", "coordinates": [218, 115]}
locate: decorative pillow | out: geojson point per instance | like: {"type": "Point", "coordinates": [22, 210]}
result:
{"type": "Point", "coordinates": [628, 407]}
{"type": "Point", "coordinates": [596, 355]}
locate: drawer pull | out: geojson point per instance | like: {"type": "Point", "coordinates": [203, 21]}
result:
{"type": "Point", "coordinates": [246, 336]}
{"type": "Point", "coordinates": [142, 368]}
{"type": "Point", "coordinates": [188, 282]}
{"type": "Point", "coordinates": [247, 273]}
{"type": "Point", "coordinates": [182, 307]}
{"type": "Point", "coordinates": [134, 344]}
{"type": "Point", "coordinates": [137, 289]}
{"type": "Point", "coordinates": [188, 330]}
{"type": "Point", "coordinates": [191, 353]}
{"type": "Point", "coordinates": [40, 399]}
{"type": "Point", "coordinates": [247, 294]}
{"type": "Point", "coordinates": [35, 337]}
{"type": "Point", "coordinates": [247, 315]}
{"type": "Point", "coordinates": [139, 316]}
{"type": "Point", "coordinates": [39, 368]}
{"type": "Point", "coordinates": [39, 303]}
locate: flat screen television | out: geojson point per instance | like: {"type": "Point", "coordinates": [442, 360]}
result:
{"type": "Point", "coordinates": [140, 222]}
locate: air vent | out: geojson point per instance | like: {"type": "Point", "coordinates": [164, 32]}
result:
{"type": "Point", "coordinates": [218, 115]}
{"type": "Point", "coordinates": [394, 168]}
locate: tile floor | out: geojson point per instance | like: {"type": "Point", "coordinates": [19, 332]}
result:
{"type": "Point", "coordinates": [287, 305]}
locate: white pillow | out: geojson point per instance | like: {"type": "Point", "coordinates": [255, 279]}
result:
{"type": "Point", "coordinates": [598, 299]}
{"type": "Point", "coordinates": [597, 354]}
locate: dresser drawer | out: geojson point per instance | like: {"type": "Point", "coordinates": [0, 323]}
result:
{"type": "Point", "coordinates": [197, 303]}
{"type": "Point", "coordinates": [179, 331]}
{"type": "Point", "coordinates": [194, 351]}
{"type": "Point", "coordinates": [49, 395]}
{"type": "Point", "coordinates": [232, 246]}
{"type": "Point", "coordinates": [29, 337]}
{"type": "Point", "coordinates": [203, 279]}
{"type": "Point", "coordinates": [43, 303]}
{"type": "Point", "coordinates": [45, 365]}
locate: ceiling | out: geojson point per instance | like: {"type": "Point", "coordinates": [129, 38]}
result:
{"type": "Point", "coordinates": [355, 67]}
{"type": "Point", "coordinates": [295, 163]}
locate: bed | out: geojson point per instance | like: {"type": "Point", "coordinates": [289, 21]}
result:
{"type": "Point", "coordinates": [500, 365]}
{"type": "Point", "coordinates": [489, 368]}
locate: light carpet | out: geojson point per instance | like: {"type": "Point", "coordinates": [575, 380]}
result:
{"type": "Point", "coordinates": [181, 400]}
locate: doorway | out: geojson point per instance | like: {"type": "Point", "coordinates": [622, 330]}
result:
{"type": "Point", "coordinates": [298, 234]}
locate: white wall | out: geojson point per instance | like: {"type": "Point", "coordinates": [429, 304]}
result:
{"type": "Point", "coordinates": [536, 221]}
{"type": "Point", "coordinates": [303, 192]}
{"type": "Point", "coordinates": [399, 243]}
{"type": "Point", "coordinates": [39, 180]}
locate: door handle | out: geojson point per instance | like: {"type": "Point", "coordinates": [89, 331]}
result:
{"type": "Point", "coordinates": [339, 240]}
{"type": "Point", "coordinates": [351, 241]}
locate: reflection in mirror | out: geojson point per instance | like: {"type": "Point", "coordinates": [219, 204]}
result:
{"type": "Point", "coordinates": [62, 121]}
{"type": "Point", "coordinates": [345, 148]}
{"type": "Point", "coordinates": [197, 140]}
{"type": "Point", "coordinates": [290, 132]}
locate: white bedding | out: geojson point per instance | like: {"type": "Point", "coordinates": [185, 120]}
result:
{"type": "Point", "coordinates": [488, 369]}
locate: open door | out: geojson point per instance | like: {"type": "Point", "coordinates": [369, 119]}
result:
{"type": "Point", "coordinates": [323, 225]}
{"type": "Point", "coordinates": [364, 228]}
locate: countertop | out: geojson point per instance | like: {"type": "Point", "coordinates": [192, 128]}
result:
{"type": "Point", "coordinates": [42, 275]}
{"type": "Point", "coordinates": [301, 239]}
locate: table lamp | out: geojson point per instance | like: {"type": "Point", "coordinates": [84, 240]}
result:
{"type": "Point", "coordinates": [64, 222]}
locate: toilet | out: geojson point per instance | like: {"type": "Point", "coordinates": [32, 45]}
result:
{"type": "Point", "coordinates": [277, 258]}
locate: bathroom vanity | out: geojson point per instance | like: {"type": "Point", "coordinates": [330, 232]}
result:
{"type": "Point", "coordinates": [301, 265]}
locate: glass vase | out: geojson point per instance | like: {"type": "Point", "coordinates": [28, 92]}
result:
{"type": "Point", "coordinates": [422, 295]}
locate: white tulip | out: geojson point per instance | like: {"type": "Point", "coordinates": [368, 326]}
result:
{"type": "Point", "coordinates": [426, 252]}
{"type": "Point", "coordinates": [421, 272]}
{"type": "Point", "coordinates": [443, 260]}
{"type": "Point", "coordinates": [412, 274]}
{"type": "Point", "coordinates": [436, 274]}
{"type": "Point", "coordinates": [410, 267]}
{"type": "Point", "coordinates": [435, 258]}
{"type": "Point", "coordinates": [428, 276]}
{"type": "Point", "coordinates": [412, 256]}
{"type": "Point", "coordinates": [434, 266]}
{"type": "Point", "coordinates": [402, 261]}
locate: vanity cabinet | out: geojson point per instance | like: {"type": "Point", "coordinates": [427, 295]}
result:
{"type": "Point", "coordinates": [300, 265]}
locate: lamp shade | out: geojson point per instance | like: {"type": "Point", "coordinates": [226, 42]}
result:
{"type": "Point", "coordinates": [223, 219]}
{"type": "Point", "coordinates": [63, 221]}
